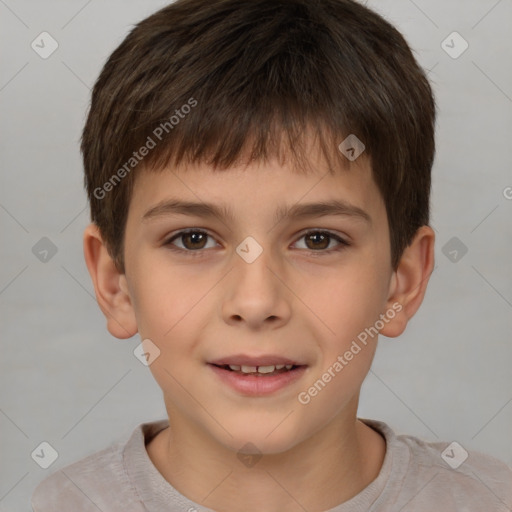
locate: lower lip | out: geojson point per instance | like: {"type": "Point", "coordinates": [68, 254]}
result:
{"type": "Point", "coordinates": [258, 385]}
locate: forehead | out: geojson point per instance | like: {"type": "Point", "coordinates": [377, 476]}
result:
{"type": "Point", "coordinates": [259, 190]}
{"type": "Point", "coordinates": [315, 160]}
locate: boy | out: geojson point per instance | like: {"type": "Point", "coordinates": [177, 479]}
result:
{"type": "Point", "coordinates": [259, 178]}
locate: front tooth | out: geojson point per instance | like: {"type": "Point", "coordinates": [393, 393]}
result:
{"type": "Point", "coordinates": [235, 367]}
{"type": "Point", "coordinates": [266, 369]}
{"type": "Point", "coordinates": [248, 369]}
{"type": "Point", "coordinates": [279, 366]}
{"type": "Point", "coordinates": [289, 366]}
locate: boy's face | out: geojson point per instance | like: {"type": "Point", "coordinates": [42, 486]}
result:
{"type": "Point", "coordinates": [300, 299]}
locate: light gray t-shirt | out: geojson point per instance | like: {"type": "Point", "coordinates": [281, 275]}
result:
{"type": "Point", "coordinates": [416, 476]}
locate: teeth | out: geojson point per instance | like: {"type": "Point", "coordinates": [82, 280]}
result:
{"type": "Point", "coordinates": [248, 369]}
{"type": "Point", "coordinates": [266, 369]}
{"type": "Point", "coordinates": [259, 369]}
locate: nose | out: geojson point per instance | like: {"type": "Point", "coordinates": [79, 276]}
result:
{"type": "Point", "coordinates": [257, 295]}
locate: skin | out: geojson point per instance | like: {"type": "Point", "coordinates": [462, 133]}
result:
{"type": "Point", "coordinates": [296, 300]}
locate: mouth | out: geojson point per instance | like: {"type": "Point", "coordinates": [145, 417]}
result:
{"type": "Point", "coordinates": [260, 371]}
{"type": "Point", "coordinates": [257, 376]}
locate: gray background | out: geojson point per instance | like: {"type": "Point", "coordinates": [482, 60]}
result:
{"type": "Point", "coordinates": [67, 381]}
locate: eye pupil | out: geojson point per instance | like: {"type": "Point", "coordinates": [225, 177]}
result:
{"type": "Point", "coordinates": [322, 237]}
{"type": "Point", "coordinates": [196, 238]}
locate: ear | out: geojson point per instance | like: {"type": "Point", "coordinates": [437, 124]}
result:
{"type": "Point", "coordinates": [110, 286]}
{"type": "Point", "coordinates": [409, 281]}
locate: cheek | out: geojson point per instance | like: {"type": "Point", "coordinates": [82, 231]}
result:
{"type": "Point", "coordinates": [345, 302]}
{"type": "Point", "coordinates": [347, 343]}
{"type": "Point", "coordinates": [168, 300]}
{"type": "Point", "coordinates": [335, 389]}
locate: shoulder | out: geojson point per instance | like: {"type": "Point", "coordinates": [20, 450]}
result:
{"type": "Point", "coordinates": [97, 482]}
{"type": "Point", "coordinates": [459, 477]}
{"type": "Point", "coordinates": [422, 476]}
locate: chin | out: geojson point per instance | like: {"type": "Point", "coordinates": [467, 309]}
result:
{"type": "Point", "coordinates": [260, 438]}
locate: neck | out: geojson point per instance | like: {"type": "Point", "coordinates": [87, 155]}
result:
{"type": "Point", "coordinates": [327, 469]}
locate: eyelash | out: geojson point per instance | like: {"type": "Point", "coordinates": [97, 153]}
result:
{"type": "Point", "coordinates": [200, 252]}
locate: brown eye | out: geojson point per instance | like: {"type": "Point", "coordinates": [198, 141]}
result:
{"type": "Point", "coordinates": [191, 241]}
{"type": "Point", "coordinates": [319, 241]}
{"type": "Point", "coordinates": [194, 240]}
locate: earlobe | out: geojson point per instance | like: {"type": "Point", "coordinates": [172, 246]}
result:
{"type": "Point", "coordinates": [109, 285]}
{"type": "Point", "coordinates": [409, 282]}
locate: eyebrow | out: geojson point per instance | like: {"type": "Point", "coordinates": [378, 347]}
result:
{"type": "Point", "coordinates": [222, 212]}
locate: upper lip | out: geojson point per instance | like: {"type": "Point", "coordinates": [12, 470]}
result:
{"type": "Point", "coordinates": [246, 360]}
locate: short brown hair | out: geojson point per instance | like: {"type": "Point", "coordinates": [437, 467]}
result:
{"type": "Point", "coordinates": [254, 73]}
